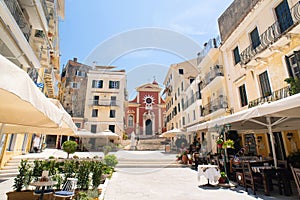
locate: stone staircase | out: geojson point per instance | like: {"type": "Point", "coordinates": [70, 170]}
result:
{"type": "Point", "coordinates": [10, 170]}
{"type": "Point", "coordinates": [148, 163]}
{"type": "Point", "coordinates": [151, 144]}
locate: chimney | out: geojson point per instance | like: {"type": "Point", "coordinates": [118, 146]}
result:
{"type": "Point", "coordinates": [75, 59]}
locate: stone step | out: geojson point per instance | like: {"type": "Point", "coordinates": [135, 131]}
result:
{"type": "Point", "coordinates": [8, 175]}
{"type": "Point", "coordinates": [7, 171]}
{"type": "Point", "coordinates": [10, 167]}
{"type": "Point", "coordinates": [149, 165]}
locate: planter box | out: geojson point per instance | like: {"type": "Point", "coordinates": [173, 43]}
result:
{"type": "Point", "coordinates": [25, 195]}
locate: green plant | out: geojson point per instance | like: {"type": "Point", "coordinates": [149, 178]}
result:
{"type": "Point", "coordinates": [59, 179]}
{"type": "Point", "coordinates": [294, 85]}
{"type": "Point", "coordinates": [125, 136]}
{"type": "Point", "coordinates": [20, 180]}
{"type": "Point", "coordinates": [223, 174]}
{"type": "Point", "coordinates": [37, 169]}
{"type": "Point", "coordinates": [83, 175]}
{"type": "Point", "coordinates": [220, 141]}
{"type": "Point", "coordinates": [69, 147]}
{"type": "Point", "coordinates": [75, 157]}
{"type": "Point", "coordinates": [111, 160]}
{"type": "Point", "coordinates": [82, 196]}
{"type": "Point", "coordinates": [97, 172]}
{"type": "Point", "coordinates": [51, 157]}
{"type": "Point", "coordinates": [70, 169]}
{"type": "Point", "coordinates": [228, 144]}
{"type": "Point", "coordinates": [106, 150]}
{"type": "Point", "coordinates": [92, 194]}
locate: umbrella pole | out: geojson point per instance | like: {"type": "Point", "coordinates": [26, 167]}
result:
{"type": "Point", "coordinates": [1, 130]}
{"type": "Point", "coordinates": [272, 140]}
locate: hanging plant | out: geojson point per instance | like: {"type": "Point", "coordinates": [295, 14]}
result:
{"type": "Point", "coordinates": [228, 144]}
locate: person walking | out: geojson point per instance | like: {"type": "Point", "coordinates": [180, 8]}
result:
{"type": "Point", "coordinates": [36, 143]}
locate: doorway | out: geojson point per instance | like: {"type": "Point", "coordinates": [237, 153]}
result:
{"type": "Point", "coordinates": [148, 127]}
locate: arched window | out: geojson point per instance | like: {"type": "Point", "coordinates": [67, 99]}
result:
{"type": "Point", "coordinates": [130, 121]}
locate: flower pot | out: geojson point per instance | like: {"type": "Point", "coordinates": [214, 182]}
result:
{"type": "Point", "coordinates": [23, 195]}
{"type": "Point", "coordinates": [220, 146]}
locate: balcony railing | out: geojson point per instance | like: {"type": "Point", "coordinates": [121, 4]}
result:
{"type": "Point", "coordinates": [274, 96]}
{"type": "Point", "coordinates": [271, 35]}
{"type": "Point", "coordinates": [47, 15]}
{"type": "Point", "coordinates": [216, 71]}
{"type": "Point", "coordinates": [104, 102]}
{"type": "Point", "coordinates": [215, 105]}
{"type": "Point", "coordinates": [212, 43]}
{"type": "Point", "coordinates": [18, 15]}
{"type": "Point", "coordinates": [191, 100]}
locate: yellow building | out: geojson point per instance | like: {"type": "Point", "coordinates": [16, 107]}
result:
{"type": "Point", "coordinates": [29, 39]}
{"type": "Point", "coordinates": [260, 46]}
{"type": "Point", "coordinates": [211, 86]}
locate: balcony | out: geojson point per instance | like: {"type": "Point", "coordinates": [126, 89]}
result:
{"type": "Point", "coordinates": [16, 11]}
{"type": "Point", "coordinates": [216, 71]}
{"type": "Point", "coordinates": [212, 43]}
{"type": "Point", "coordinates": [104, 102]}
{"type": "Point", "coordinates": [191, 100]}
{"type": "Point", "coordinates": [274, 96]}
{"type": "Point", "coordinates": [271, 35]}
{"type": "Point", "coordinates": [215, 105]}
{"type": "Point", "coordinates": [49, 79]}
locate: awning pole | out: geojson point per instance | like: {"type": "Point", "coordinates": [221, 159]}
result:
{"type": "Point", "coordinates": [1, 130]}
{"type": "Point", "coordinates": [272, 140]}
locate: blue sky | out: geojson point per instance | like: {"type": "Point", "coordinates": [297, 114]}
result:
{"type": "Point", "coordinates": [88, 24]}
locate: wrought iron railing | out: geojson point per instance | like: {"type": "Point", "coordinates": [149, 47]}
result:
{"type": "Point", "coordinates": [212, 43]}
{"type": "Point", "coordinates": [215, 105]}
{"type": "Point", "coordinates": [191, 100]}
{"type": "Point", "coordinates": [47, 15]}
{"type": "Point", "coordinates": [274, 96]}
{"type": "Point", "coordinates": [216, 71]}
{"type": "Point", "coordinates": [18, 15]}
{"type": "Point", "coordinates": [104, 102]}
{"type": "Point", "coordinates": [271, 35]}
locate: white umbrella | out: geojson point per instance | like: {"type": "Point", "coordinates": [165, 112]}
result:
{"type": "Point", "coordinates": [21, 102]}
{"type": "Point", "coordinates": [22, 105]}
{"type": "Point", "coordinates": [67, 126]}
{"type": "Point", "coordinates": [172, 133]}
{"type": "Point", "coordinates": [105, 134]}
{"type": "Point", "coordinates": [283, 114]}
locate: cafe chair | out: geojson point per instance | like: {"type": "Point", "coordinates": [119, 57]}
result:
{"type": "Point", "coordinates": [251, 179]}
{"type": "Point", "coordinates": [68, 189]}
{"type": "Point", "coordinates": [296, 175]}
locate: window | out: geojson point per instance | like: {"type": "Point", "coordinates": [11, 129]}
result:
{"type": "Point", "coordinates": [293, 63]}
{"type": "Point", "coordinates": [12, 142]}
{"type": "Point", "coordinates": [80, 73]}
{"type": "Point", "coordinates": [113, 100]}
{"type": "Point", "coordinates": [74, 85]}
{"type": "Point", "coordinates": [178, 107]}
{"type": "Point", "coordinates": [130, 121]}
{"type": "Point", "coordinates": [112, 113]}
{"type": "Point", "coordinates": [265, 84]}
{"type": "Point", "coordinates": [178, 91]}
{"type": "Point", "coordinates": [114, 84]}
{"type": "Point", "coordinates": [182, 103]}
{"type": "Point", "coordinates": [236, 55]}
{"type": "Point", "coordinates": [95, 113]}
{"type": "Point", "coordinates": [194, 115]}
{"type": "Point", "coordinates": [255, 38]}
{"type": "Point", "coordinates": [180, 71]}
{"type": "Point", "coordinates": [283, 15]}
{"type": "Point", "coordinates": [182, 88]}
{"type": "Point", "coordinates": [243, 95]}
{"type": "Point", "coordinates": [183, 121]}
{"type": "Point", "coordinates": [94, 128]}
{"type": "Point", "coordinates": [96, 100]}
{"type": "Point", "coordinates": [78, 125]}
{"type": "Point", "coordinates": [191, 80]}
{"type": "Point", "coordinates": [97, 84]}
{"type": "Point", "coordinates": [111, 128]}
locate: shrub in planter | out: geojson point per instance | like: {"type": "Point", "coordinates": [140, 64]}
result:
{"type": "Point", "coordinates": [97, 172]}
{"type": "Point", "coordinates": [110, 160]}
{"type": "Point", "coordinates": [83, 175]}
{"type": "Point", "coordinates": [20, 180]}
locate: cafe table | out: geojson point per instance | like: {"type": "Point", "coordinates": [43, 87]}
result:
{"type": "Point", "coordinates": [43, 185]}
{"type": "Point", "coordinates": [280, 173]}
{"type": "Point", "coordinates": [211, 174]}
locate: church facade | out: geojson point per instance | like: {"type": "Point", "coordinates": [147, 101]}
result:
{"type": "Point", "coordinates": [145, 114]}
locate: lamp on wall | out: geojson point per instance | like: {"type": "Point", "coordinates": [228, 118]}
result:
{"type": "Point", "coordinates": [289, 136]}
{"type": "Point", "coordinates": [259, 138]}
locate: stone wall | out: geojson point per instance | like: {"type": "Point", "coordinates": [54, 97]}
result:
{"type": "Point", "coordinates": [233, 16]}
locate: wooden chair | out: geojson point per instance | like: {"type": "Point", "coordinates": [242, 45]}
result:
{"type": "Point", "coordinates": [251, 179]}
{"type": "Point", "coordinates": [296, 175]}
{"type": "Point", "coordinates": [68, 190]}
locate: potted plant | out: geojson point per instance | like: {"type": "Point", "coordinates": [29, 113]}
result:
{"type": "Point", "coordinates": [20, 182]}
{"type": "Point", "coordinates": [220, 142]}
{"type": "Point", "coordinates": [69, 147]}
{"type": "Point", "coordinates": [294, 85]}
{"type": "Point", "coordinates": [223, 178]}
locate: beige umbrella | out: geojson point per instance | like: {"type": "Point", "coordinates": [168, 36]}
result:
{"type": "Point", "coordinates": [23, 107]}
{"type": "Point", "coordinates": [104, 134]}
